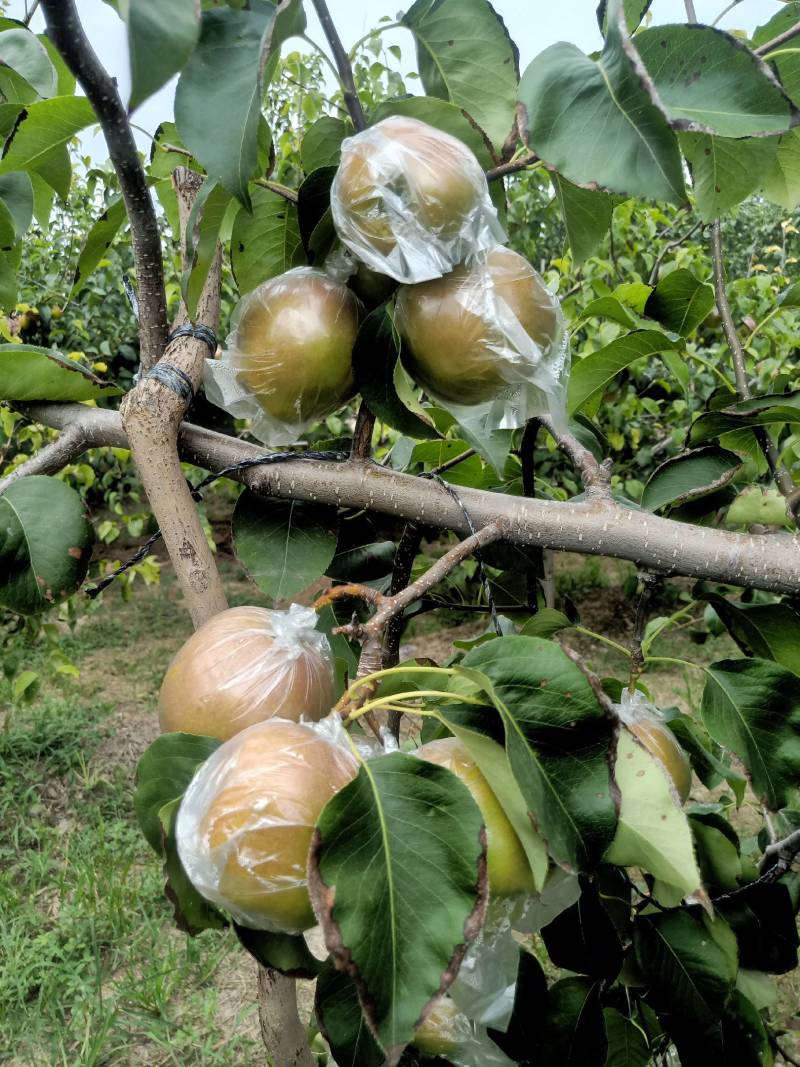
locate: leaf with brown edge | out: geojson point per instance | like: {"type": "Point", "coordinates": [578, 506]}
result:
{"type": "Point", "coordinates": [397, 876]}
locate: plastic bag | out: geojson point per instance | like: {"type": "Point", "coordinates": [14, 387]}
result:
{"type": "Point", "coordinates": [487, 978]}
{"type": "Point", "coordinates": [449, 1033]}
{"type": "Point", "coordinates": [487, 340]}
{"type": "Point", "coordinates": [411, 201]}
{"type": "Point", "coordinates": [288, 361]}
{"type": "Point", "coordinates": [648, 726]}
{"type": "Point", "coordinates": [246, 665]}
{"type": "Point", "coordinates": [245, 823]}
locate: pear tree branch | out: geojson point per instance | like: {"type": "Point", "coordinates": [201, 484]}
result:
{"type": "Point", "coordinates": [66, 32]}
{"type": "Point", "coordinates": [53, 457]}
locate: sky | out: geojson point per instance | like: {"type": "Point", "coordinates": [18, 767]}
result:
{"type": "Point", "coordinates": [533, 24]}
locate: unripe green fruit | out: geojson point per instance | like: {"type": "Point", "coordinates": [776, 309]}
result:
{"type": "Point", "coordinates": [294, 343]}
{"type": "Point", "coordinates": [508, 867]}
{"type": "Point", "coordinates": [454, 339]}
{"type": "Point", "coordinates": [438, 1035]}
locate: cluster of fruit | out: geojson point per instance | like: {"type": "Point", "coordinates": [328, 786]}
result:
{"type": "Point", "coordinates": [411, 205]}
{"type": "Point", "coordinates": [261, 681]}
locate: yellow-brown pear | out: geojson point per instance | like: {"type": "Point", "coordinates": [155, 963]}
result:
{"type": "Point", "coordinates": [461, 345]}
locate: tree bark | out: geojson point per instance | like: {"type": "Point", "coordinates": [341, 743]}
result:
{"type": "Point", "coordinates": [595, 527]}
{"type": "Point", "coordinates": [282, 1032]}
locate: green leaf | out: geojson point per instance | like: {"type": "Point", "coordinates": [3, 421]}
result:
{"type": "Point", "coordinates": [9, 265]}
{"type": "Point", "coordinates": [574, 1034]}
{"type": "Point", "coordinates": [595, 124]}
{"type": "Point", "coordinates": [55, 168]}
{"type": "Point", "coordinates": [465, 55]}
{"type": "Point", "coordinates": [770, 631]}
{"type": "Point", "coordinates": [375, 356]}
{"type": "Point", "coordinates": [24, 53]}
{"type": "Point", "coordinates": [737, 1038]}
{"type": "Point", "coordinates": [342, 1022]}
{"type": "Point", "coordinates": [218, 98]}
{"type": "Point", "coordinates": [31, 373]}
{"type": "Point", "coordinates": [545, 623]}
{"type": "Point", "coordinates": [635, 11]}
{"type": "Point", "coordinates": [762, 917]}
{"type": "Point", "coordinates": [752, 708]}
{"type": "Point", "coordinates": [583, 938]}
{"type": "Point", "coordinates": [717, 856]}
{"type": "Point", "coordinates": [283, 545]}
{"type": "Point", "coordinates": [689, 961]}
{"type": "Point", "coordinates": [267, 242]}
{"type": "Point", "coordinates": [627, 1042]}
{"type": "Point", "coordinates": [163, 774]}
{"type": "Point", "coordinates": [786, 58]}
{"type": "Point", "coordinates": [587, 217]}
{"type": "Point", "coordinates": [45, 544]}
{"type": "Point", "coordinates": [202, 234]}
{"type": "Point", "coordinates": [609, 307]}
{"type": "Point", "coordinates": [65, 79]}
{"type": "Point", "coordinates": [98, 241]}
{"type": "Point", "coordinates": [46, 127]}
{"type": "Point", "coordinates": [652, 832]}
{"type": "Point", "coordinates": [593, 373]}
{"type": "Point", "coordinates": [746, 414]}
{"type": "Point", "coordinates": [707, 81]}
{"type": "Point", "coordinates": [287, 953]}
{"type": "Point", "coordinates": [397, 876]}
{"type": "Point", "coordinates": [557, 739]}
{"type": "Point", "coordinates": [782, 183]}
{"type": "Point", "coordinates": [322, 143]}
{"type": "Point", "coordinates": [193, 913]}
{"type": "Point", "coordinates": [689, 476]}
{"type": "Point", "coordinates": [161, 37]}
{"type": "Point", "coordinates": [313, 202]}
{"type": "Point", "coordinates": [680, 302]}
{"type": "Point", "coordinates": [756, 504]}
{"type": "Point", "coordinates": [16, 207]}
{"type": "Point", "coordinates": [726, 171]}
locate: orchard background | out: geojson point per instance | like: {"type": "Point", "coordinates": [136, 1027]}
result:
{"type": "Point", "coordinates": [655, 540]}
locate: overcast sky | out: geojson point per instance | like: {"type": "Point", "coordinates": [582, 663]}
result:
{"type": "Point", "coordinates": [533, 24]}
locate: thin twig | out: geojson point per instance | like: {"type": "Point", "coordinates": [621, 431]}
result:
{"type": "Point", "coordinates": [53, 457]}
{"type": "Point", "coordinates": [776, 42]}
{"type": "Point", "coordinates": [276, 187]}
{"type": "Point", "coordinates": [649, 584]}
{"type": "Point", "coordinates": [362, 434]}
{"type": "Point", "coordinates": [595, 476]}
{"type": "Point", "coordinates": [782, 852]}
{"type": "Point", "coordinates": [512, 167]}
{"type": "Point", "coordinates": [66, 32]}
{"type": "Point", "coordinates": [783, 1053]}
{"type": "Point", "coordinates": [468, 453]}
{"type": "Point", "coordinates": [724, 12]}
{"type": "Point", "coordinates": [343, 65]}
{"type": "Point", "coordinates": [30, 12]}
{"type": "Point", "coordinates": [665, 251]}
{"type": "Point", "coordinates": [691, 15]}
{"type": "Point", "coordinates": [782, 477]}
{"type": "Point", "coordinates": [407, 548]}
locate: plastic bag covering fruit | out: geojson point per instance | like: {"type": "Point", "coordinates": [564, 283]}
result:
{"type": "Point", "coordinates": [647, 725]}
{"type": "Point", "coordinates": [411, 201]}
{"type": "Point", "coordinates": [288, 361]}
{"type": "Point", "coordinates": [245, 823]}
{"type": "Point", "coordinates": [449, 1033]}
{"type": "Point", "coordinates": [490, 336]}
{"type": "Point", "coordinates": [246, 665]}
{"type": "Point", "coordinates": [487, 978]}
{"type": "Point", "coordinates": [508, 867]}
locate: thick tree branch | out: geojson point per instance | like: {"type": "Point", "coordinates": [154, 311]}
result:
{"type": "Point", "coordinates": [51, 458]}
{"type": "Point", "coordinates": [778, 856]}
{"type": "Point", "coordinates": [596, 527]}
{"type": "Point", "coordinates": [343, 65]}
{"type": "Point", "coordinates": [151, 414]}
{"type": "Point", "coordinates": [783, 478]}
{"type": "Point", "coordinates": [282, 1032]}
{"type": "Point", "coordinates": [594, 475]}
{"type": "Point", "coordinates": [776, 42]}
{"type": "Point", "coordinates": [66, 32]}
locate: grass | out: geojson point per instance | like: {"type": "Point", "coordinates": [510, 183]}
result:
{"type": "Point", "coordinates": [93, 971]}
